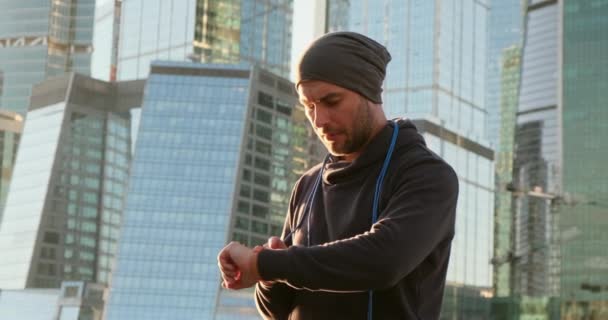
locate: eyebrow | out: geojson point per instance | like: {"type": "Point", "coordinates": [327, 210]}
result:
{"type": "Point", "coordinates": [326, 97]}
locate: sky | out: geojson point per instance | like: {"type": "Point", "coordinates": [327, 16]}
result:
{"type": "Point", "coordinates": [303, 27]}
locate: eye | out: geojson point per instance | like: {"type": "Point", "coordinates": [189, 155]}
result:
{"type": "Point", "coordinates": [332, 102]}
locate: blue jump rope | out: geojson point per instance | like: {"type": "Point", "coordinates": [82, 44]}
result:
{"type": "Point", "coordinates": [379, 181]}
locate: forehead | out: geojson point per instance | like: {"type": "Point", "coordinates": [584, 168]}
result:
{"type": "Point", "coordinates": [314, 90]}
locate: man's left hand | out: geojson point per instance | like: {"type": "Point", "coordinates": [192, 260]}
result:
{"type": "Point", "coordinates": [239, 257]}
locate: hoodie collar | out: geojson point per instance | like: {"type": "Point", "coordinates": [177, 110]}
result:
{"type": "Point", "coordinates": [336, 171]}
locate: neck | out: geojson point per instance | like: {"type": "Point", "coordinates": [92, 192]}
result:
{"type": "Point", "coordinates": [378, 125]}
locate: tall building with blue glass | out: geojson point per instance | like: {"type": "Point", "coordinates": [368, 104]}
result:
{"type": "Point", "coordinates": [219, 148]}
{"type": "Point", "coordinates": [218, 31]}
{"type": "Point", "coordinates": [437, 78]}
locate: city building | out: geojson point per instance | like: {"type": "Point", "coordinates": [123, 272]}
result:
{"type": "Point", "coordinates": [437, 78]}
{"type": "Point", "coordinates": [11, 124]}
{"type": "Point", "coordinates": [220, 31]}
{"type": "Point", "coordinates": [75, 300]}
{"type": "Point", "coordinates": [40, 39]}
{"type": "Point", "coordinates": [584, 219]}
{"type": "Point", "coordinates": [106, 30]}
{"type": "Point", "coordinates": [65, 201]}
{"type": "Point", "coordinates": [559, 187]}
{"type": "Point", "coordinates": [466, 302]}
{"type": "Point", "coordinates": [503, 216]}
{"type": "Point", "coordinates": [536, 162]}
{"type": "Point", "coordinates": [219, 149]}
{"type": "Point", "coordinates": [502, 85]}
{"type": "Point", "coordinates": [504, 31]}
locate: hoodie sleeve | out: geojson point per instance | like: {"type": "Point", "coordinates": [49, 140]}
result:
{"type": "Point", "coordinates": [274, 300]}
{"type": "Point", "coordinates": [418, 217]}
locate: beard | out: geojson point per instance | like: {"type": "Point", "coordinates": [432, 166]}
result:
{"type": "Point", "coordinates": [357, 136]}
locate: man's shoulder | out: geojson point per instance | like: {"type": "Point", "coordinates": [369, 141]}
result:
{"type": "Point", "coordinates": [419, 159]}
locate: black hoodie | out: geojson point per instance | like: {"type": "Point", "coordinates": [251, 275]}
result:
{"type": "Point", "coordinates": [403, 257]}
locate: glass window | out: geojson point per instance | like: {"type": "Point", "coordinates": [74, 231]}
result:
{"type": "Point", "coordinates": [261, 195]}
{"type": "Point", "coordinates": [260, 211]}
{"type": "Point", "coordinates": [242, 223]}
{"type": "Point", "coordinates": [243, 207]}
{"type": "Point", "coordinates": [262, 179]}
{"type": "Point", "coordinates": [265, 100]}
{"type": "Point", "coordinates": [264, 116]}
{"type": "Point", "coordinates": [259, 227]}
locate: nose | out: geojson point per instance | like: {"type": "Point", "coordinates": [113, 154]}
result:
{"type": "Point", "coordinates": [320, 117]}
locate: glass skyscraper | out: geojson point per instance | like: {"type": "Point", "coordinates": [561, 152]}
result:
{"type": "Point", "coordinates": [536, 163]}
{"type": "Point", "coordinates": [503, 223]}
{"type": "Point", "coordinates": [504, 31]}
{"type": "Point", "coordinates": [501, 99]}
{"type": "Point", "coordinates": [584, 221]}
{"type": "Point", "coordinates": [40, 39]}
{"type": "Point", "coordinates": [210, 31]}
{"type": "Point", "coordinates": [218, 151]}
{"type": "Point", "coordinates": [559, 184]}
{"type": "Point", "coordinates": [11, 125]}
{"type": "Point", "coordinates": [64, 207]}
{"type": "Point", "coordinates": [437, 78]}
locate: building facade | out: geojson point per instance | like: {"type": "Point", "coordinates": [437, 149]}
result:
{"type": "Point", "coordinates": [504, 31]}
{"type": "Point", "coordinates": [75, 300]}
{"type": "Point", "coordinates": [224, 31]}
{"type": "Point", "coordinates": [536, 163]}
{"type": "Point", "coordinates": [503, 226]}
{"type": "Point", "coordinates": [106, 32]}
{"type": "Point", "coordinates": [501, 99]}
{"type": "Point", "coordinates": [64, 208]}
{"type": "Point", "coordinates": [584, 221]}
{"type": "Point", "coordinates": [40, 39]}
{"type": "Point", "coordinates": [437, 78]}
{"type": "Point", "coordinates": [11, 125]}
{"type": "Point", "coordinates": [218, 151]}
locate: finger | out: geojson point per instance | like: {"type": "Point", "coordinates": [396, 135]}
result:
{"type": "Point", "coordinates": [229, 280]}
{"type": "Point", "coordinates": [276, 243]}
{"type": "Point", "coordinates": [225, 265]}
{"type": "Point", "coordinates": [231, 274]}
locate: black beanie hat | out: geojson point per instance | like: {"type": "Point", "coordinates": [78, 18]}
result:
{"type": "Point", "coordinates": [346, 59]}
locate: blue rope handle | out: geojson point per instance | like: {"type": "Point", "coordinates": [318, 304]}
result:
{"type": "Point", "coordinates": [379, 182]}
{"type": "Point", "coordinates": [308, 206]}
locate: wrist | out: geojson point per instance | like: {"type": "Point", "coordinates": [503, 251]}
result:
{"type": "Point", "coordinates": [254, 265]}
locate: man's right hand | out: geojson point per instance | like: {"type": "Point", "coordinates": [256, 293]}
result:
{"type": "Point", "coordinates": [273, 243]}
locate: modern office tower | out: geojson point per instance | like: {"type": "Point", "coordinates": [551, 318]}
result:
{"type": "Point", "coordinates": [218, 151]}
{"type": "Point", "coordinates": [503, 219]}
{"type": "Point", "coordinates": [437, 78]}
{"type": "Point", "coordinates": [504, 31]}
{"type": "Point", "coordinates": [584, 221]}
{"type": "Point", "coordinates": [218, 31]}
{"type": "Point", "coordinates": [11, 124]}
{"type": "Point", "coordinates": [63, 210]}
{"type": "Point", "coordinates": [536, 164]}
{"type": "Point", "coordinates": [505, 38]}
{"type": "Point", "coordinates": [558, 181]}
{"type": "Point", "coordinates": [106, 31]}
{"type": "Point", "coordinates": [40, 39]}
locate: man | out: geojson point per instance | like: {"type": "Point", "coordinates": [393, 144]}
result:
{"type": "Point", "coordinates": [337, 261]}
